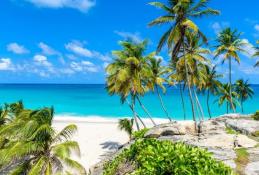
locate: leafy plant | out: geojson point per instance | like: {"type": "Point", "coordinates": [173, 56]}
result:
{"type": "Point", "coordinates": [256, 116]}
{"type": "Point", "coordinates": [140, 134]}
{"type": "Point", "coordinates": [153, 157]}
{"type": "Point", "coordinates": [242, 159]}
{"type": "Point", "coordinates": [127, 126]}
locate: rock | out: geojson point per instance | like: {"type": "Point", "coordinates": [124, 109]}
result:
{"type": "Point", "coordinates": [244, 141]}
{"type": "Point", "coordinates": [166, 129]}
{"type": "Point", "coordinates": [252, 168]}
{"type": "Point", "coordinates": [254, 154]}
{"type": "Point", "coordinates": [245, 126]}
{"type": "Point", "coordinates": [212, 127]}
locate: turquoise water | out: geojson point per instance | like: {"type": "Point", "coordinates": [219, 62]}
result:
{"type": "Point", "coordinates": [93, 100]}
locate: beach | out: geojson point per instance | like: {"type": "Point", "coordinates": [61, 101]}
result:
{"type": "Point", "coordinates": [96, 136]}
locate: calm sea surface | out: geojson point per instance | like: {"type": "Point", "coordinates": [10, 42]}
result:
{"type": "Point", "coordinates": [93, 100]}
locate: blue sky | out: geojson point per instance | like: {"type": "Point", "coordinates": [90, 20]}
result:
{"type": "Point", "coordinates": [58, 41]}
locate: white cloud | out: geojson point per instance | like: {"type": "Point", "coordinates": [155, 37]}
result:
{"type": "Point", "coordinates": [219, 26]}
{"type": "Point", "coordinates": [83, 66]}
{"type": "Point", "coordinates": [81, 5]}
{"type": "Point", "coordinates": [128, 35]}
{"type": "Point", "coordinates": [41, 60]}
{"type": "Point", "coordinates": [47, 50]}
{"type": "Point", "coordinates": [6, 64]}
{"type": "Point", "coordinates": [249, 48]}
{"type": "Point", "coordinates": [79, 49]}
{"type": "Point", "coordinates": [257, 27]}
{"type": "Point", "coordinates": [16, 48]}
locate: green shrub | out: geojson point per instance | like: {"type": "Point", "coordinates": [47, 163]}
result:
{"type": "Point", "coordinates": [140, 134]}
{"type": "Point", "coordinates": [256, 116]}
{"type": "Point", "coordinates": [153, 157]}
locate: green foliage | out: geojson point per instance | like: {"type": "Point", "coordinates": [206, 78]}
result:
{"type": "Point", "coordinates": [140, 134]}
{"type": "Point", "coordinates": [29, 142]}
{"type": "Point", "coordinates": [256, 133]}
{"type": "Point", "coordinates": [153, 157]}
{"type": "Point", "coordinates": [231, 131]}
{"type": "Point", "coordinates": [127, 126]}
{"type": "Point", "coordinates": [256, 116]}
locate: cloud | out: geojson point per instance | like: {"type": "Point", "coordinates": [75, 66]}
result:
{"type": "Point", "coordinates": [219, 26]}
{"type": "Point", "coordinates": [79, 49]}
{"type": "Point", "coordinates": [135, 37]}
{"type": "Point", "coordinates": [257, 27]}
{"type": "Point", "coordinates": [17, 49]}
{"type": "Point", "coordinates": [47, 50]}
{"type": "Point", "coordinates": [41, 60]}
{"type": "Point", "coordinates": [6, 64]}
{"type": "Point", "coordinates": [81, 5]}
{"type": "Point", "coordinates": [249, 48]}
{"type": "Point", "coordinates": [83, 66]}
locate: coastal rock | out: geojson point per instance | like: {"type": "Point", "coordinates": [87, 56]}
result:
{"type": "Point", "coordinates": [245, 126]}
{"type": "Point", "coordinates": [252, 168]}
{"type": "Point", "coordinates": [244, 141]}
{"type": "Point", "coordinates": [212, 127]}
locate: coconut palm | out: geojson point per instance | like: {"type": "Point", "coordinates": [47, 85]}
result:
{"type": "Point", "coordinates": [34, 147]}
{"type": "Point", "coordinates": [212, 84]}
{"type": "Point", "coordinates": [256, 54]}
{"type": "Point", "coordinates": [128, 74]}
{"type": "Point", "coordinates": [225, 97]}
{"type": "Point", "coordinates": [244, 90]}
{"type": "Point", "coordinates": [127, 126]}
{"type": "Point", "coordinates": [178, 14]}
{"type": "Point", "coordinates": [229, 45]}
{"type": "Point", "coordinates": [157, 80]}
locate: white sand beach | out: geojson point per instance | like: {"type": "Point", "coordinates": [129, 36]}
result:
{"type": "Point", "coordinates": [96, 136]}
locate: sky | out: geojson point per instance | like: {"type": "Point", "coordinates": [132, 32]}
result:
{"type": "Point", "coordinates": [70, 41]}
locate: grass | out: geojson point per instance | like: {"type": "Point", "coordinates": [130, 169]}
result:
{"type": "Point", "coordinates": [231, 131]}
{"type": "Point", "coordinates": [242, 159]}
{"type": "Point", "coordinates": [256, 134]}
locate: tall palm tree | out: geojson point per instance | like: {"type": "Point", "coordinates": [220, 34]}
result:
{"type": "Point", "coordinates": [127, 126]}
{"type": "Point", "coordinates": [212, 84]}
{"type": "Point", "coordinates": [229, 45]}
{"type": "Point", "coordinates": [178, 14]}
{"type": "Point", "coordinates": [256, 54]}
{"type": "Point", "coordinates": [34, 147]}
{"type": "Point", "coordinates": [128, 74]}
{"type": "Point", "coordinates": [244, 90]}
{"type": "Point", "coordinates": [157, 80]}
{"type": "Point", "coordinates": [226, 97]}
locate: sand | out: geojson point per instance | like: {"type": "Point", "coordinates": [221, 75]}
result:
{"type": "Point", "coordinates": [96, 136]}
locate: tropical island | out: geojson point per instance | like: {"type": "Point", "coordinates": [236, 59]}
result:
{"type": "Point", "coordinates": [38, 142]}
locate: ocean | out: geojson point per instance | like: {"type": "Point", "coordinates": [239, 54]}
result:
{"type": "Point", "coordinates": [86, 100]}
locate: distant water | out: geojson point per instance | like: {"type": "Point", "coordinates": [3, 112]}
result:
{"type": "Point", "coordinates": [93, 100]}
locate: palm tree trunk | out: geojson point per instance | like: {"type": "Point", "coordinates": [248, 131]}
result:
{"type": "Point", "coordinates": [189, 87]}
{"type": "Point", "coordinates": [199, 105]}
{"type": "Point", "coordinates": [181, 92]}
{"type": "Point", "coordinates": [134, 112]}
{"type": "Point", "coordinates": [208, 106]}
{"type": "Point", "coordinates": [242, 105]}
{"type": "Point", "coordinates": [162, 103]}
{"type": "Point", "coordinates": [146, 111]}
{"type": "Point", "coordinates": [227, 107]}
{"type": "Point", "coordinates": [230, 87]}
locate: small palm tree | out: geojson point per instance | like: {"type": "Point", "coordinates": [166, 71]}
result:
{"type": "Point", "coordinates": [225, 97]}
{"type": "Point", "coordinates": [35, 147]}
{"type": "Point", "coordinates": [229, 44]}
{"type": "Point", "coordinates": [244, 90]}
{"type": "Point", "coordinates": [127, 126]}
{"type": "Point", "coordinates": [212, 85]}
{"type": "Point", "coordinates": [157, 80]}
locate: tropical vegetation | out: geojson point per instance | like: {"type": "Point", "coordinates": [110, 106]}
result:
{"type": "Point", "coordinates": [30, 145]}
{"type": "Point", "coordinates": [154, 157]}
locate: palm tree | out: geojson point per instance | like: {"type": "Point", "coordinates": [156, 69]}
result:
{"type": "Point", "coordinates": [157, 80]}
{"type": "Point", "coordinates": [256, 54]}
{"type": "Point", "coordinates": [244, 90]}
{"type": "Point", "coordinates": [224, 96]}
{"type": "Point", "coordinates": [178, 16]}
{"type": "Point", "coordinates": [128, 74]}
{"type": "Point", "coordinates": [34, 147]}
{"type": "Point", "coordinates": [229, 44]}
{"type": "Point", "coordinates": [127, 126]}
{"type": "Point", "coordinates": [212, 84]}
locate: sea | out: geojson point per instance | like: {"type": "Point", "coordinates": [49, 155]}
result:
{"type": "Point", "coordinates": [88, 100]}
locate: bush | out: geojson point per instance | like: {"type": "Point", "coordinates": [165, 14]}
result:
{"type": "Point", "coordinates": [256, 116]}
{"type": "Point", "coordinates": [153, 157]}
{"type": "Point", "coordinates": [140, 134]}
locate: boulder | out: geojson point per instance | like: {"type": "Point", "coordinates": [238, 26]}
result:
{"type": "Point", "coordinates": [244, 141]}
{"type": "Point", "coordinates": [252, 168]}
{"type": "Point", "coordinates": [245, 126]}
